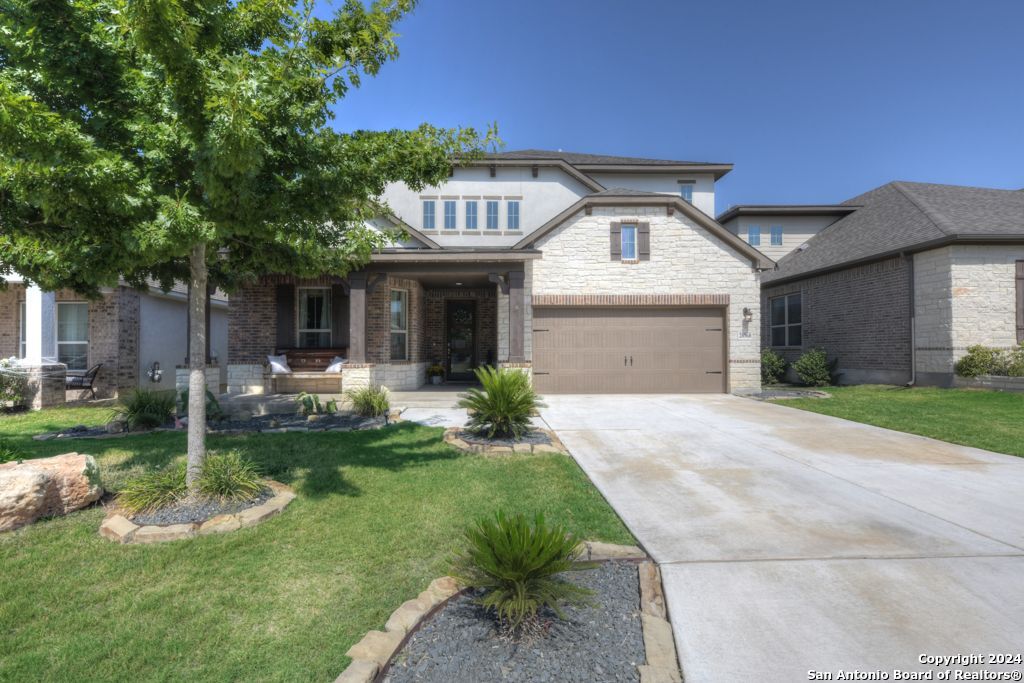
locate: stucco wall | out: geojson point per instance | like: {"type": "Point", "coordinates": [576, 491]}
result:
{"type": "Point", "coordinates": [665, 183]}
{"type": "Point", "coordinates": [795, 230]}
{"type": "Point", "coordinates": [685, 259]}
{"type": "Point", "coordinates": [162, 338]}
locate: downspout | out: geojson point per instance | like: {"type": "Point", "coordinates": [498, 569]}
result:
{"type": "Point", "coordinates": [913, 320]}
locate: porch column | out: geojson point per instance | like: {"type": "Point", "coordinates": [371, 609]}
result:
{"type": "Point", "coordinates": [516, 351]}
{"type": "Point", "coordinates": [40, 326]}
{"type": "Point", "coordinates": [357, 318]}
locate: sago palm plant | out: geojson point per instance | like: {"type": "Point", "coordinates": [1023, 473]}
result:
{"type": "Point", "coordinates": [516, 564]}
{"type": "Point", "coordinates": [502, 407]}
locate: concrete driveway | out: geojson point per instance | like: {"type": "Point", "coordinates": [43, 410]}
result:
{"type": "Point", "coordinates": [792, 542]}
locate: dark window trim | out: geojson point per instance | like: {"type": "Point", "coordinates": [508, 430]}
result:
{"type": "Point", "coordinates": [786, 324]}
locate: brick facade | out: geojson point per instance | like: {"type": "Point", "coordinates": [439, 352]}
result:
{"type": "Point", "coordinates": [252, 323]}
{"type": "Point", "coordinates": [486, 322]}
{"type": "Point", "coordinates": [860, 315]}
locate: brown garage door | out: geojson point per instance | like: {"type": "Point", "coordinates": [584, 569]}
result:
{"type": "Point", "coordinates": [628, 350]}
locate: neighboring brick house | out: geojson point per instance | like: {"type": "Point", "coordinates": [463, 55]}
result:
{"type": "Point", "coordinates": [124, 331]}
{"type": "Point", "coordinates": [594, 274]}
{"type": "Point", "coordinates": [901, 283]}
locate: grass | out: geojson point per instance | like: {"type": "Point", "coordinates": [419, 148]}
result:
{"type": "Point", "coordinates": [982, 419]}
{"type": "Point", "coordinates": [378, 515]}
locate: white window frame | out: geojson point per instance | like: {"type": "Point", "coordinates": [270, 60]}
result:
{"type": "Point", "coordinates": [451, 211]}
{"type": "Point", "coordinates": [754, 235]}
{"type": "Point", "coordinates": [785, 324]}
{"type": "Point", "coordinates": [471, 214]}
{"type": "Point", "coordinates": [77, 342]}
{"type": "Point", "coordinates": [404, 298]}
{"type": "Point", "coordinates": [775, 231]}
{"type": "Point", "coordinates": [686, 190]}
{"type": "Point", "coordinates": [513, 214]}
{"type": "Point", "coordinates": [493, 212]}
{"type": "Point", "coordinates": [319, 330]}
{"type": "Point", "coordinates": [628, 229]}
{"type": "Point", "coordinates": [429, 216]}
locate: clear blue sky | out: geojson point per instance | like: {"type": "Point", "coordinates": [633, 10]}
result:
{"type": "Point", "coordinates": [812, 100]}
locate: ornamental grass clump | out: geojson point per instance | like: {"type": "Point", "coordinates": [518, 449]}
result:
{"type": "Point", "coordinates": [144, 409]}
{"type": "Point", "coordinates": [225, 476]}
{"type": "Point", "coordinates": [516, 566]}
{"type": "Point", "coordinates": [504, 404]}
{"type": "Point", "coordinates": [369, 401]}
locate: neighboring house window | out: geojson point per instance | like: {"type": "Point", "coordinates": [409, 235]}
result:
{"type": "Point", "coordinates": [628, 242]}
{"type": "Point", "coordinates": [787, 320]}
{"type": "Point", "coordinates": [492, 215]}
{"type": "Point", "coordinates": [470, 215]}
{"type": "Point", "coordinates": [399, 324]}
{"type": "Point", "coordinates": [513, 215]}
{"type": "Point", "coordinates": [73, 335]}
{"type": "Point", "coordinates": [754, 235]}
{"type": "Point", "coordinates": [428, 215]}
{"type": "Point", "coordinates": [686, 190]}
{"type": "Point", "coordinates": [776, 231]}
{"type": "Point", "coordinates": [449, 215]}
{"type": "Point", "coordinates": [314, 317]}
{"type": "Point", "coordinates": [23, 343]}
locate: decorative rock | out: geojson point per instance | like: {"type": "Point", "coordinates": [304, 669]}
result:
{"type": "Point", "coordinates": [405, 618]}
{"type": "Point", "coordinates": [654, 674]}
{"type": "Point", "coordinates": [312, 418]}
{"type": "Point", "coordinates": [522, 448]}
{"type": "Point", "coordinates": [430, 597]}
{"type": "Point", "coordinates": [220, 524]}
{"type": "Point", "coordinates": [652, 599]}
{"type": "Point", "coordinates": [254, 516]}
{"type": "Point", "coordinates": [376, 646]}
{"type": "Point", "coordinates": [359, 671]}
{"type": "Point", "coordinates": [118, 426]}
{"type": "Point", "coordinates": [443, 587]}
{"type": "Point", "coordinates": [157, 534]}
{"type": "Point", "coordinates": [22, 496]}
{"type": "Point", "coordinates": [118, 529]}
{"type": "Point", "coordinates": [497, 449]}
{"type": "Point", "coordinates": [546, 448]}
{"type": "Point", "coordinates": [395, 415]}
{"type": "Point", "coordinates": [658, 642]}
{"type": "Point", "coordinates": [607, 551]}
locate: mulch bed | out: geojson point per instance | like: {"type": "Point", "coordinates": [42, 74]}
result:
{"type": "Point", "coordinates": [198, 510]}
{"type": "Point", "coordinates": [602, 642]}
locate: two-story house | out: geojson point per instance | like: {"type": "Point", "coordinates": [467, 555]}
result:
{"type": "Point", "coordinates": [595, 274]}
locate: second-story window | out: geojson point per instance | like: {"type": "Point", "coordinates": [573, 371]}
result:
{"type": "Point", "coordinates": [754, 235]}
{"type": "Point", "coordinates": [776, 233]}
{"type": "Point", "coordinates": [513, 215]}
{"type": "Point", "coordinates": [428, 215]}
{"type": "Point", "coordinates": [492, 215]}
{"type": "Point", "coordinates": [628, 242]}
{"type": "Point", "coordinates": [470, 215]}
{"type": "Point", "coordinates": [449, 215]}
{"type": "Point", "coordinates": [686, 190]}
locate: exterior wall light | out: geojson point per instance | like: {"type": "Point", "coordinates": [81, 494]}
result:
{"type": "Point", "coordinates": [748, 315]}
{"type": "Point", "coordinates": [154, 373]}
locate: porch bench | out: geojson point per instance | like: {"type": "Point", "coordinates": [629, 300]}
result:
{"type": "Point", "coordinates": [308, 371]}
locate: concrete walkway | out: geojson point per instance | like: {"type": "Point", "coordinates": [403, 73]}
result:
{"type": "Point", "coordinates": [792, 542]}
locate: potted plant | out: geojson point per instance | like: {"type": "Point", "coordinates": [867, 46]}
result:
{"type": "Point", "coordinates": [435, 373]}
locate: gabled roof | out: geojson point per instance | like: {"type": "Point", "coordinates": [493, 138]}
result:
{"type": "Point", "coordinates": [609, 163]}
{"type": "Point", "coordinates": [785, 210]}
{"type": "Point", "coordinates": [626, 197]}
{"type": "Point", "coordinates": [906, 217]}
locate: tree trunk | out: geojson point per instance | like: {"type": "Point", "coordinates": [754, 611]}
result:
{"type": "Point", "coordinates": [197, 366]}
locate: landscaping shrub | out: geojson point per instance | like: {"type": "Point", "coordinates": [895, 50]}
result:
{"type": "Point", "coordinates": [214, 412]}
{"type": "Point", "coordinates": [1015, 362]}
{"type": "Point", "coordinates": [154, 489]}
{"type": "Point", "coordinates": [504, 404]}
{"type": "Point", "coordinates": [814, 369]}
{"type": "Point", "coordinates": [144, 409]}
{"type": "Point", "coordinates": [516, 564]}
{"type": "Point", "coordinates": [985, 360]}
{"type": "Point", "coordinates": [9, 453]}
{"type": "Point", "coordinates": [13, 383]}
{"type": "Point", "coordinates": [369, 401]}
{"type": "Point", "coordinates": [309, 404]}
{"type": "Point", "coordinates": [773, 367]}
{"type": "Point", "coordinates": [229, 476]}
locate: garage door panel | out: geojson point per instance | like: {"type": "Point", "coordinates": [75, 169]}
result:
{"type": "Point", "coordinates": [628, 350]}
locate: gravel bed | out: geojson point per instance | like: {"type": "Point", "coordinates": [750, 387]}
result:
{"type": "Point", "coordinates": [603, 642]}
{"type": "Point", "coordinates": [533, 437]}
{"type": "Point", "coordinates": [78, 431]}
{"type": "Point", "coordinates": [781, 393]}
{"type": "Point", "coordinates": [193, 510]}
{"type": "Point", "coordinates": [265, 423]}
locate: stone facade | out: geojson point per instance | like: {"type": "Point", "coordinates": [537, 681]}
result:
{"type": "Point", "coordinates": [859, 315]}
{"type": "Point", "coordinates": [45, 387]}
{"type": "Point", "coordinates": [685, 259]}
{"type": "Point", "coordinates": [212, 378]}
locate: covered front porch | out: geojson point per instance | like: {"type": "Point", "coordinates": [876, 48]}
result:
{"type": "Point", "coordinates": [384, 325]}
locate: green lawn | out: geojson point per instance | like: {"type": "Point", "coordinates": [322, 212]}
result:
{"type": "Point", "coordinates": [377, 516]}
{"type": "Point", "coordinates": [992, 420]}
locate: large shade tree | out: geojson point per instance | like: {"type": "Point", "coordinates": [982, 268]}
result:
{"type": "Point", "coordinates": [158, 141]}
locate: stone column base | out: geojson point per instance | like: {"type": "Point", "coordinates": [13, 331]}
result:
{"type": "Point", "coordinates": [212, 378]}
{"type": "Point", "coordinates": [45, 385]}
{"type": "Point", "coordinates": [248, 378]}
{"type": "Point", "coordinates": [525, 367]}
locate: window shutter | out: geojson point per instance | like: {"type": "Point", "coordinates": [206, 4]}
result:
{"type": "Point", "coordinates": [284, 300]}
{"type": "Point", "coordinates": [643, 237]}
{"type": "Point", "coordinates": [339, 316]}
{"type": "Point", "coordinates": [616, 241]}
{"type": "Point", "coordinates": [1020, 302]}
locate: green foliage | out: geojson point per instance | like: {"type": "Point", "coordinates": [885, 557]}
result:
{"type": "Point", "coordinates": [224, 475]}
{"type": "Point", "coordinates": [814, 369]}
{"type": "Point", "coordinates": [516, 564]}
{"type": "Point", "coordinates": [369, 401]}
{"type": "Point", "coordinates": [985, 360]}
{"type": "Point", "coordinates": [213, 410]}
{"type": "Point", "coordinates": [145, 409]}
{"type": "Point", "coordinates": [435, 370]}
{"type": "Point", "coordinates": [331, 407]}
{"type": "Point", "coordinates": [308, 404]}
{"type": "Point", "coordinates": [8, 452]}
{"type": "Point", "coordinates": [13, 383]}
{"type": "Point", "coordinates": [773, 367]}
{"type": "Point", "coordinates": [504, 404]}
{"type": "Point", "coordinates": [228, 476]}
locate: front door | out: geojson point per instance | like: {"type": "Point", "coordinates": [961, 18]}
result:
{"type": "Point", "coordinates": [460, 316]}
